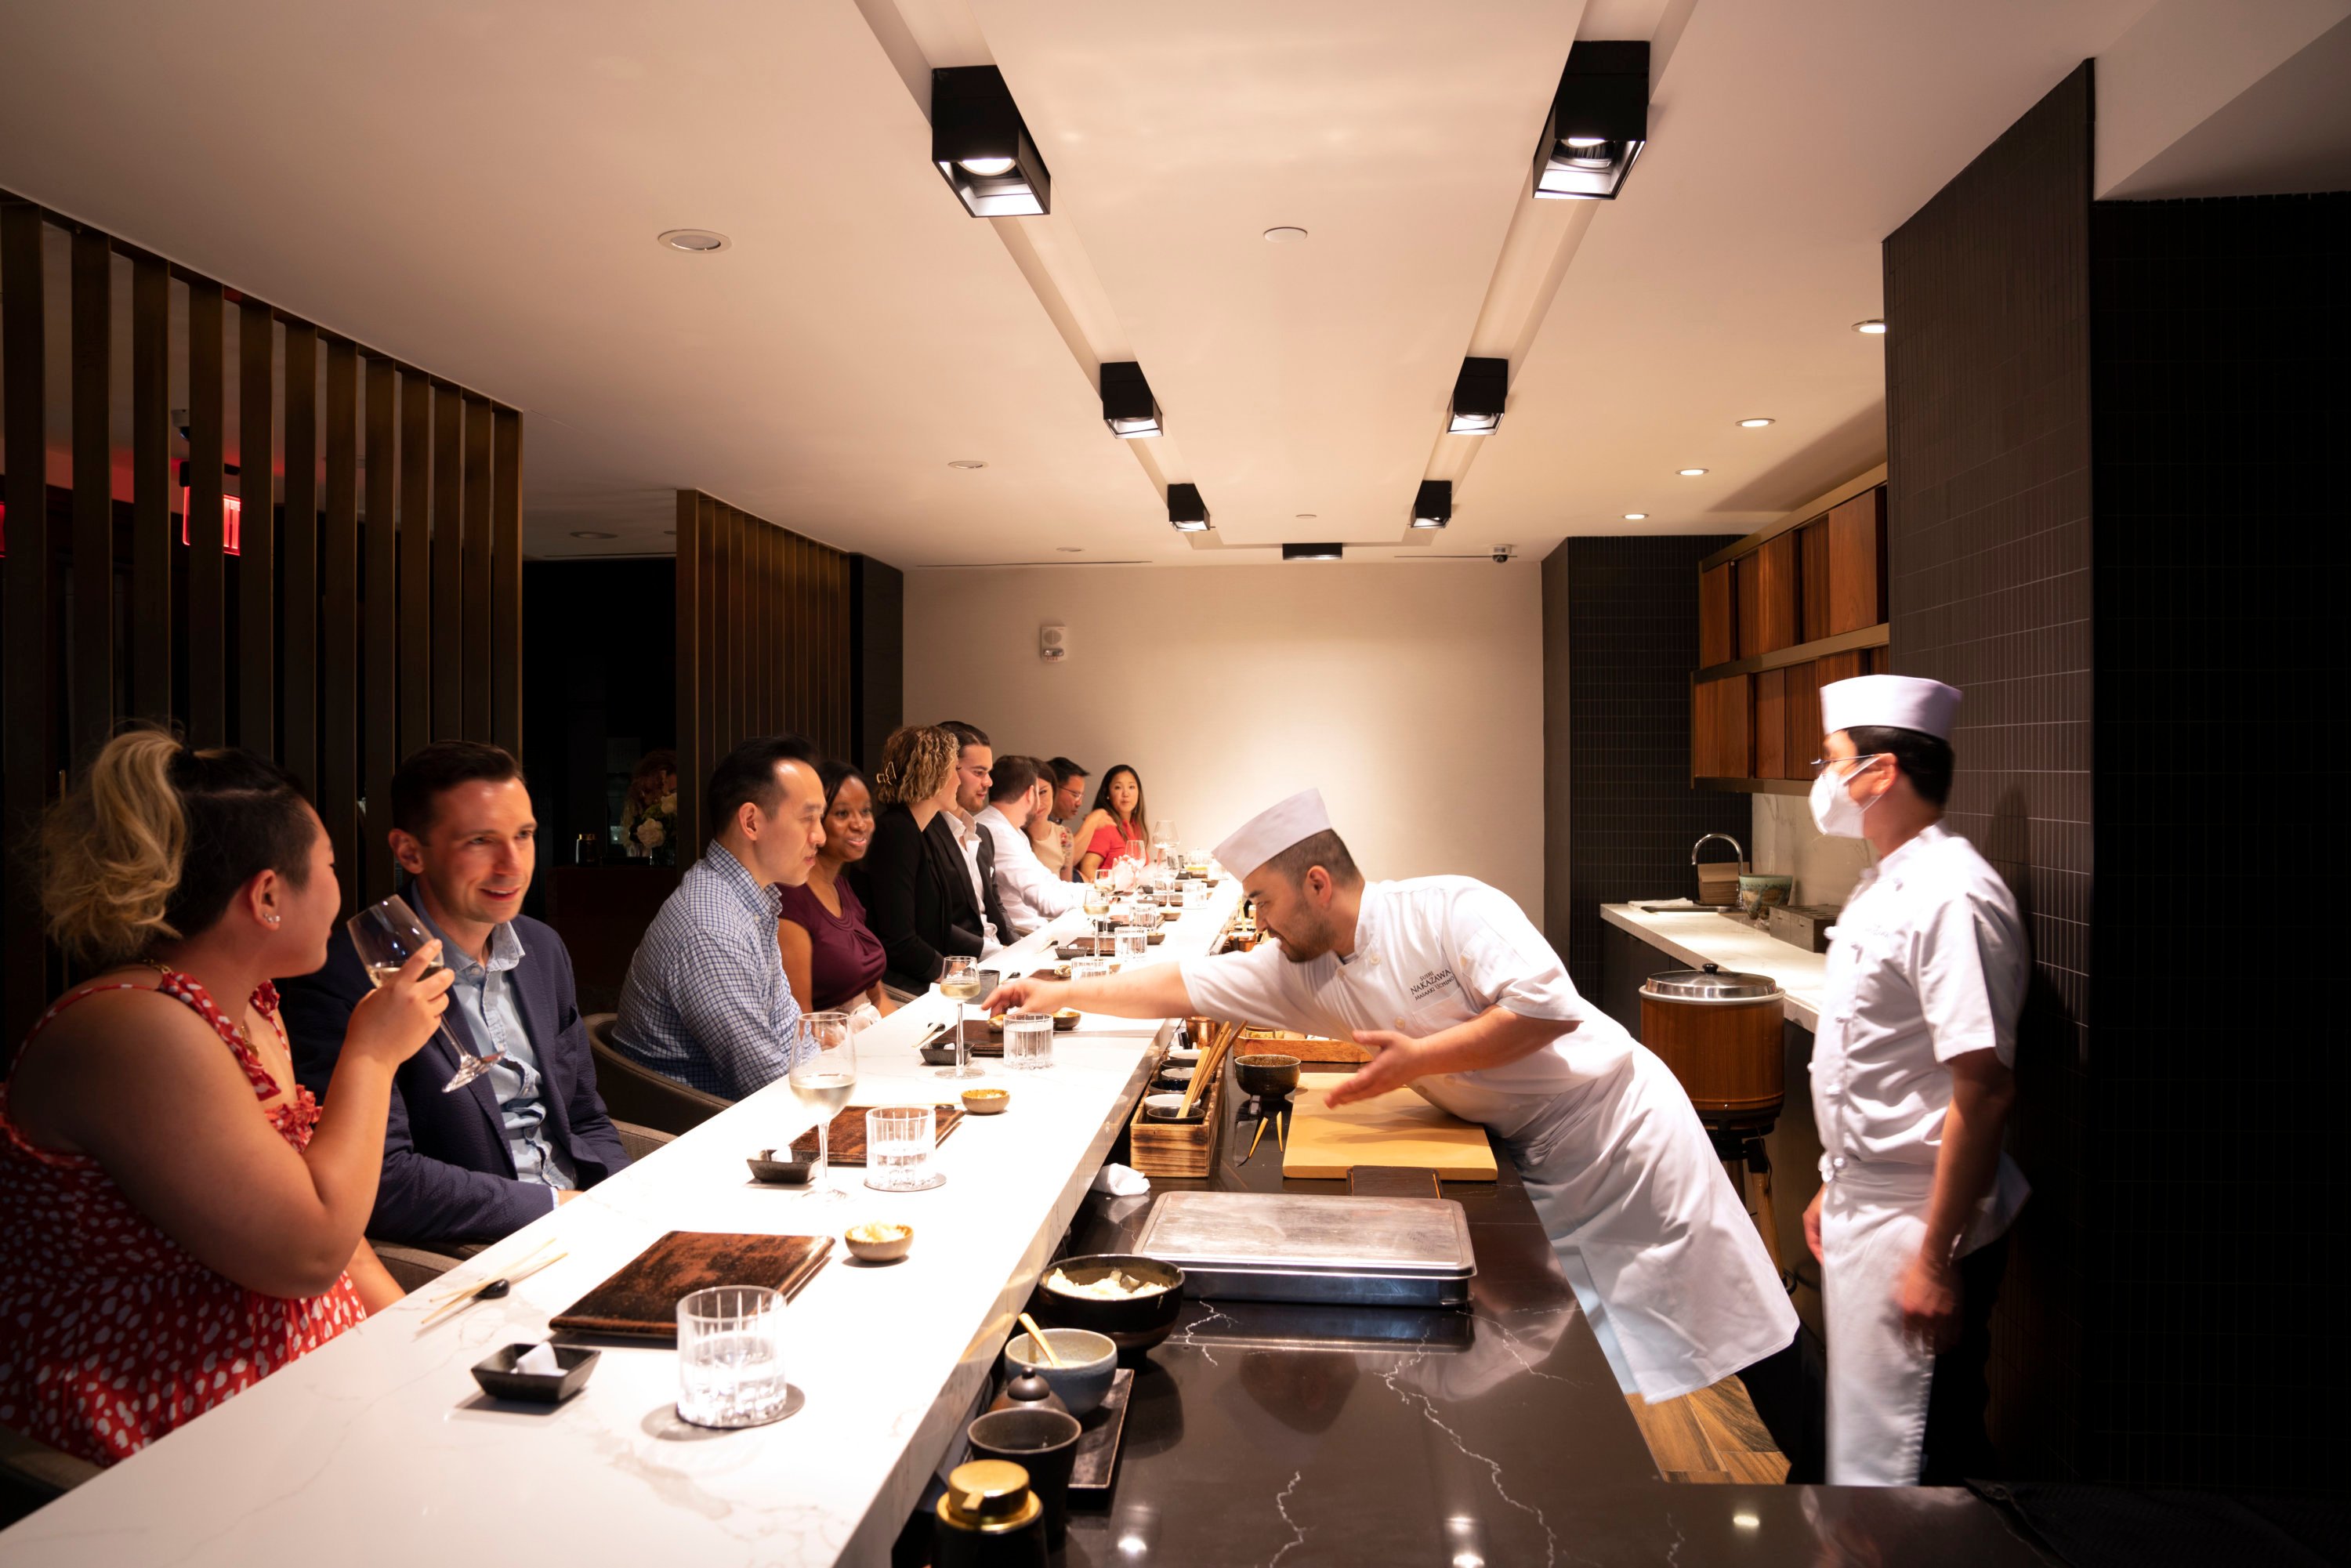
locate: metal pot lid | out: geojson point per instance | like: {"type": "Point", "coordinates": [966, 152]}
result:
{"type": "Point", "coordinates": [1711, 984]}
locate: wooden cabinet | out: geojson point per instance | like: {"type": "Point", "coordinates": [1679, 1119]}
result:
{"type": "Point", "coordinates": [1800, 725]}
{"type": "Point", "coordinates": [1813, 569]}
{"type": "Point", "coordinates": [1717, 632]}
{"type": "Point", "coordinates": [1772, 725]}
{"type": "Point", "coordinates": [1856, 561]}
{"type": "Point", "coordinates": [1777, 624]}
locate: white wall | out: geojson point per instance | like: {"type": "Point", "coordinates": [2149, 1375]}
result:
{"type": "Point", "coordinates": [1786, 842]}
{"type": "Point", "coordinates": [1410, 694]}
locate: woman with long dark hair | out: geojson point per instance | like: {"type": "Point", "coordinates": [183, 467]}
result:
{"type": "Point", "coordinates": [831, 956]}
{"type": "Point", "coordinates": [1113, 830]}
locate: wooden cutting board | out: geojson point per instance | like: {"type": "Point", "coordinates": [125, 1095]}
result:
{"type": "Point", "coordinates": [1398, 1128]}
{"type": "Point", "coordinates": [848, 1136]}
{"type": "Point", "coordinates": [640, 1301]}
{"type": "Point", "coordinates": [1305, 1047]}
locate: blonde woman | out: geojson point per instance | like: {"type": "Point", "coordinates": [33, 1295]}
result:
{"type": "Point", "coordinates": [178, 1218]}
{"type": "Point", "coordinates": [908, 887]}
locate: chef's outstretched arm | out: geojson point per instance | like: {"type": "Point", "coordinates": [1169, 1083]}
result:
{"type": "Point", "coordinates": [1153, 991]}
{"type": "Point", "coordinates": [1492, 1039]}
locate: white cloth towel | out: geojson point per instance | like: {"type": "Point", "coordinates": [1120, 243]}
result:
{"type": "Point", "coordinates": [540, 1362]}
{"type": "Point", "coordinates": [1122, 1181]}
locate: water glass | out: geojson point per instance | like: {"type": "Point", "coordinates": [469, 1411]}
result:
{"type": "Point", "coordinates": [1029, 1040]}
{"type": "Point", "coordinates": [730, 1356]}
{"type": "Point", "coordinates": [1131, 945]}
{"type": "Point", "coordinates": [898, 1143]}
{"type": "Point", "coordinates": [1091, 969]}
{"type": "Point", "coordinates": [1196, 893]}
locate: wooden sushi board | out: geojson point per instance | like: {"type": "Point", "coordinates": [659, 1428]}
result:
{"type": "Point", "coordinates": [1398, 1128]}
{"type": "Point", "coordinates": [848, 1136]}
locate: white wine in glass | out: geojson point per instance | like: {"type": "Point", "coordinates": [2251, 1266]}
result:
{"type": "Point", "coordinates": [821, 1077]}
{"type": "Point", "coordinates": [386, 935]}
{"type": "Point", "coordinates": [960, 984]}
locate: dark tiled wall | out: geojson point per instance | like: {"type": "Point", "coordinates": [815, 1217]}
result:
{"type": "Point", "coordinates": [1626, 617]}
{"type": "Point", "coordinates": [2220, 384]}
{"type": "Point", "coordinates": [1989, 557]}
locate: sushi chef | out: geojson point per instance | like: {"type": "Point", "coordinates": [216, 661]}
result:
{"type": "Point", "coordinates": [1457, 997]}
{"type": "Point", "coordinates": [1911, 1086]}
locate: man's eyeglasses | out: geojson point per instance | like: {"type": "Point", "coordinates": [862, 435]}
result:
{"type": "Point", "coordinates": [1821, 764]}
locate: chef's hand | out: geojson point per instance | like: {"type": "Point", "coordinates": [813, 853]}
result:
{"type": "Point", "coordinates": [1023, 996]}
{"type": "Point", "coordinates": [1928, 1298]}
{"type": "Point", "coordinates": [1812, 1225]}
{"type": "Point", "coordinates": [1396, 1061]}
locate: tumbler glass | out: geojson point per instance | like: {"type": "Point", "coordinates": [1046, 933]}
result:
{"type": "Point", "coordinates": [898, 1143]}
{"type": "Point", "coordinates": [730, 1356]}
{"type": "Point", "coordinates": [1029, 1040]}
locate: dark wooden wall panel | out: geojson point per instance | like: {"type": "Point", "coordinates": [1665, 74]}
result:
{"type": "Point", "coordinates": [380, 745]}
{"type": "Point", "coordinates": [207, 606]}
{"type": "Point", "coordinates": [692, 764]}
{"type": "Point", "coordinates": [506, 581]}
{"type": "Point", "coordinates": [256, 568]}
{"type": "Point", "coordinates": [27, 722]}
{"type": "Point", "coordinates": [448, 650]}
{"type": "Point", "coordinates": [339, 621]}
{"type": "Point", "coordinates": [152, 489]}
{"type": "Point", "coordinates": [298, 683]}
{"type": "Point", "coordinates": [92, 687]}
{"type": "Point", "coordinates": [415, 533]}
{"type": "Point", "coordinates": [476, 597]}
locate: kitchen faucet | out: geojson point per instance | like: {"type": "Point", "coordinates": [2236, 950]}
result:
{"type": "Point", "coordinates": [1727, 838]}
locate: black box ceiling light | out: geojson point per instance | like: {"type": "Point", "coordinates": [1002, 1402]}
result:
{"type": "Point", "coordinates": [1599, 122]}
{"type": "Point", "coordinates": [1477, 393]}
{"type": "Point", "coordinates": [1433, 507]}
{"type": "Point", "coordinates": [1186, 510]}
{"type": "Point", "coordinates": [982, 148]}
{"type": "Point", "coordinates": [1128, 407]}
{"type": "Point", "coordinates": [1314, 552]}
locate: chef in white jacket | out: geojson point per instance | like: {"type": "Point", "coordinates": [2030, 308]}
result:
{"type": "Point", "coordinates": [1458, 997]}
{"type": "Point", "coordinates": [1911, 1086]}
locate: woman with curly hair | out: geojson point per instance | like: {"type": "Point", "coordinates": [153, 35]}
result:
{"type": "Point", "coordinates": [908, 897]}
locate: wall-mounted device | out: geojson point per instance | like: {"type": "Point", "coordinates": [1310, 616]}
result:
{"type": "Point", "coordinates": [1053, 643]}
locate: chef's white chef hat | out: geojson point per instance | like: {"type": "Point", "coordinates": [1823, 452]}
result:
{"type": "Point", "coordinates": [1895, 702]}
{"type": "Point", "coordinates": [1272, 830]}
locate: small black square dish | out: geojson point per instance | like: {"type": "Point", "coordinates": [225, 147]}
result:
{"type": "Point", "coordinates": [766, 1167]}
{"type": "Point", "coordinates": [499, 1379]}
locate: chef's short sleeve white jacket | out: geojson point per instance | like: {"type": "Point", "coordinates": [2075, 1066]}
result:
{"type": "Point", "coordinates": [1430, 953]}
{"type": "Point", "coordinates": [1927, 963]}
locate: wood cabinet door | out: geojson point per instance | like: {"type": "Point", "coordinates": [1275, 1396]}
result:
{"type": "Point", "coordinates": [1812, 579]}
{"type": "Point", "coordinates": [1735, 734]}
{"type": "Point", "coordinates": [1717, 633]}
{"type": "Point", "coordinates": [1775, 596]}
{"type": "Point", "coordinates": [1706, 708]}
{"type": "Point", "coordinates": [1803, 707]}
{"type": "Point", "coordinates": [1856, 551]}
{"type": "Point", "coordinates": [1749, 578]}
{"type": "Point", "coordinates": [1770, 725]}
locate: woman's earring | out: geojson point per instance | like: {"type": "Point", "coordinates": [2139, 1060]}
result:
{"type": "Point", "coordinates": [271, 918]}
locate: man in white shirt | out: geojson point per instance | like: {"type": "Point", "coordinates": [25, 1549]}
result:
{"type": "Point", "coordinates": [1911, 1088]}
{"type": "Point", "coordinates": [975, 766]}
{"type": "Point", "coordinates": [1032, 894]}
{"type": "Point", "coordinates": [1459, 998]}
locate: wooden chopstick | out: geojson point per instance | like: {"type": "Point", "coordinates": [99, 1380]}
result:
{"type": "Point", "coordinates": [512, 1279]}
{"type": "Point", "coordinates": [469, 1290]}
{"type": "Point", "coordinates": [1044, 1346]}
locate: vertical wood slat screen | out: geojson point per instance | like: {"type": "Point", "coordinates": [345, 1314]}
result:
{"type": "Point", "coordinates": [762, 642]}
{"type": "Point", "coordinates": [374, 601]}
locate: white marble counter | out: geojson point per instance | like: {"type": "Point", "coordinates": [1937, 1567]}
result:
{"type": "Point", "coordinates": [379, 1449]}
{"type": "Point", "coordinates": [1700, 936]}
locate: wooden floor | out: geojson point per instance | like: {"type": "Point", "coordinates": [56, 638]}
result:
{"type": "Point", "coordinates": [1711, 1435]}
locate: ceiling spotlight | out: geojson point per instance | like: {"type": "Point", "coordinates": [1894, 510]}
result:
{"type": "Point", "coordinates": [1433, 506]}
{"type": "Point", "coordinates": [1128, 407]}
{"type": "Point", "coordinates": [1305, 516]}
{"type": "Point", "coordinates": [1599, 123]}
{"type": "Point", "coordinates": [1186, 510]}
{"type": "Point", "coordinates": [1689, 473]}
{"type": "Point", "coordinates": [965, 463]}
{"type": "Point", "coordinates": [1636, 517]}
{"type": "Point", "coordinates": [1477, 396]}
{"type": "Point", "coordinates": [592, 534]}
{"type": "Point", "coordinates": [1314, 552]}
{"type": "Point", "coordinates": [1286, 234]}
{"type": "Point", "coordinates": [1872, 327]}
{"type": "Point", "coordinates": [697, 240]}
{"type": "Point", "coordinates": [1753, 424]}
{"type": "Point", "coordinates": [1071, 550]}
{"type": "Point", "coordinates": [981, 147]}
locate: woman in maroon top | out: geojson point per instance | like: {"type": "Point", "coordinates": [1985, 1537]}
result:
{"type": "Point", "coordinates": [830, 956]}
{"type": "Point", "coordinates": [1113, 830]}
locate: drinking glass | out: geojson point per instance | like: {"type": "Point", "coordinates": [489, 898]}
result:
{"type": "Point", "coordinates": [730, 1356]}
{"type": "Point", "coordinates": [898, 1143]}
{"type": "Point", "coordinates": [386, 935]}
{"type": "Point", "coordinates": [821, 1078]}
{"type": "Point", "coordinates": [1029, 1040]}
{"type": "Point", "coordinates": [1131, 945]}
{"type": "Point", "coordinates": [960, 984]}
{"type": "Point", "coordinates": [1098, 902]}
{"type": "Point", "coordinates": [1195, 891]}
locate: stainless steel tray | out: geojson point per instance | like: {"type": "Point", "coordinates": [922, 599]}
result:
{"type": "Point", "coordinates": [1296, 1247]}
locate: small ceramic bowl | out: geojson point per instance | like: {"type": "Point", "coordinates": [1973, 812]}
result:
{"type": "Point", "coordinates": [1089, 1362]}
{"type": "Point", "coordinates": [880, 1241]}
{"type": "Point", "coordinates": [986, 1102]}
{"type": "Point", "coordinates": [786, 1172]}
{"type": "Point", "coordinates": [1167, 1108]}
{"type": "Point", "coordinates": [499, 1379]}
{"type": "Point", "coordinates": [1174, 1077]}
{"type": "Point", "coordinates": [1184, 1054]}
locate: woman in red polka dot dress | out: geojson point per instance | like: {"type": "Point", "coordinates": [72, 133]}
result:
{"type": "Point", "coordinates": [178, 1219]}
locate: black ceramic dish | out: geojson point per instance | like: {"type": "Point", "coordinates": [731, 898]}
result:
{"type": "Point", "coordinates": [1265, 1074]}
{"type": "Point", "coordinates": [499, 1379]}
{"type": "Point", "coordinates": [1136, 1323]}
{"type": "Point", "coordinates": [766, 1167]}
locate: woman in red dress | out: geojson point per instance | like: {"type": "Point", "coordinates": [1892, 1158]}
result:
{"type": "Point", "coordinates": [1113, 830]}
{"type": "Point", "coordinates": [178, 1219]}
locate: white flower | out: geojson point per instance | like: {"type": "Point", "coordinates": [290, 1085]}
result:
{"type": "Point", "coordinates": [650, 834]}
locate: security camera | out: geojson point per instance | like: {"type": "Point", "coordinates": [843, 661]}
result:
{"type": "Point", "coordinates": [1502, 554]}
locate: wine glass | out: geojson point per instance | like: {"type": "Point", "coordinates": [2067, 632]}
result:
{"type": "Point", "coordinates": [821, 1079]}
{"type": "Point", "coordinates": [960, 985]}
{"type": "Point", "coordinates": [1098, 902]}
{"type": "Point", "coordinates": [386, 935]}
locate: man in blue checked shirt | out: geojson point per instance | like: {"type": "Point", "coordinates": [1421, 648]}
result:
{"type": "Point", "coordinates": [706, 1001]}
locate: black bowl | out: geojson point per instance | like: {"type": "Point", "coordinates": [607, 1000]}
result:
{"type": "Point", "coordinates": [1135, 1324]}
{"type": "Point", "coordinates": [499, 1379]}
{"type": "Point", "coordinates": [766, 1167]}
{"type": "Point", "coordinates": [1266, 1073]}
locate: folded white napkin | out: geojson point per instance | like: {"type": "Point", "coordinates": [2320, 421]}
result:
{"type": "Point", "coordinates": [540, 1362]}
{"type": "Point", "coordinates": [863, 1017]}
{"type": "Point", "coordinates": [1121, 1181]}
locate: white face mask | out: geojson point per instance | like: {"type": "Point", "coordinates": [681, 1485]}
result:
{"type": "Point", "coordinates": [1835, 811]}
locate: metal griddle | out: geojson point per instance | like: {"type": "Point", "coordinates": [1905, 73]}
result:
{"type": "Point", "coordinates": [1297, 1246]}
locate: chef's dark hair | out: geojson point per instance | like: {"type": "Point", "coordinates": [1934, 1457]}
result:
{"type": "Point", "coordinates": [1925, 761]}
{"type": "Point", "coordinates": [1325, 848]}
{"type": "Point", "coordinates": [748, 773]}
{"type": "Point", "coordinates": [1014, 776]}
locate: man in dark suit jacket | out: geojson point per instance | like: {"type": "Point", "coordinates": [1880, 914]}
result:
{"type": "Point", "coordinates": [975, 764]}
{"type": "Point", "coordinates": [481, 1161]}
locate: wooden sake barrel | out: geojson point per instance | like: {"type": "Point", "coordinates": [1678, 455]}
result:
{"type": "Point", "coordinates": [1720, 1032]}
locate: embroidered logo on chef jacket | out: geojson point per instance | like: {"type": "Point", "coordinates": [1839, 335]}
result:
{"type": "Point", "coordinates": [1429, 987]}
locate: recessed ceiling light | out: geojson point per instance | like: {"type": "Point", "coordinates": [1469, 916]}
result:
{"type": "Point", "coordinates": [592, 534]}
{"type": "Point", "coordinates": [965, 463]}
{"type": "Point", "coordinates": [1689, 473]}
{"type": "Point", "coordinates": [698, 241]}
{"type": "Point", "coordinates": [1636, 517]}
{"type": "Point", "coordinates": [1305, 516]}
{"type": "Point", "coordinates": [1874, 327]}
{"type": "Point", "coordinates": [1753, 424]}
{"type": "Point", "coordinates": [1284, 235]}
{"type": "Point", "coordinates": [1071, 550]}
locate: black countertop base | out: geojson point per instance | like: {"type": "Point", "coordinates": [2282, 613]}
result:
{"type": "Point", "coordinates": [1263, 1433]}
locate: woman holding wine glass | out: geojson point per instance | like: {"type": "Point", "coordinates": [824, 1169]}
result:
{"type": "Point", "coordinates": [1113, 830]}
{"type": "Point", "coordinates": [177, 1217]}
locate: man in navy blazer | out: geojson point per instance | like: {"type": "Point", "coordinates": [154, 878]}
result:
{"type": "Point", "coordinates": [478, 1162]}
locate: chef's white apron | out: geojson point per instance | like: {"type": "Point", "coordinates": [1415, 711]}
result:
{"type": "Point", "coordinates": [1873, 1222]}
{"type": "Point", "coordinates": [1667, 1264]}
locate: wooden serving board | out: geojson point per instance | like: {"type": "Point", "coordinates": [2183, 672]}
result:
{"type": "Point", "coordinates": [1101, 947]}
{"type": "Point", "coordinates": [1305, 1047]}
{"type": "Point", "coordinates": [848, 1135]}
{"type": "Point", "coordinates": [1398, 1128]}
{"type": "Point", "coordinates": [639, 1301]}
